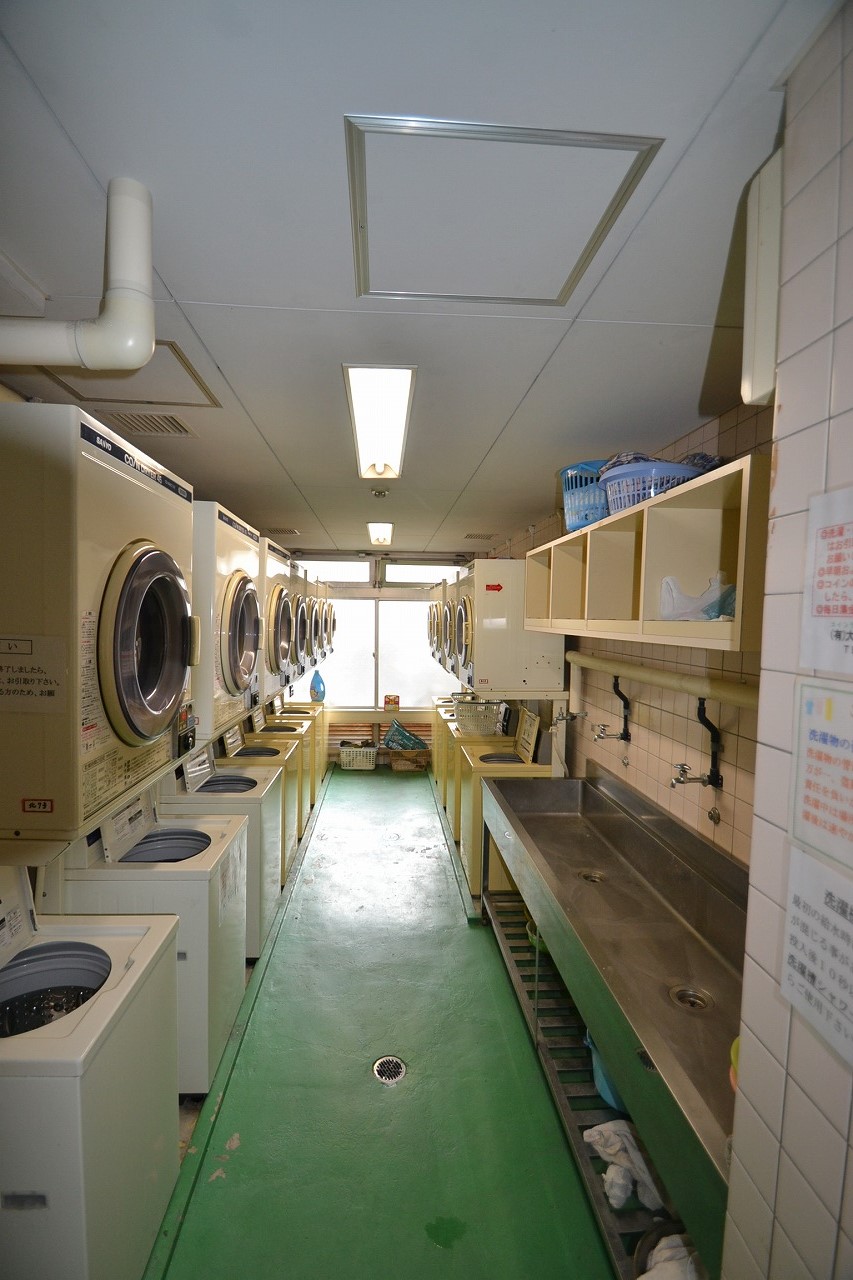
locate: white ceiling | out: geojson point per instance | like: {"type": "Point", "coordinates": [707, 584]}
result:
{"type": "Point", "coordinates": [233, 115]}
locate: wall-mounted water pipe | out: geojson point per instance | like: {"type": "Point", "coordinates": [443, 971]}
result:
{"type": "Point", "coordinates": [599, 733]}
{"type": "Point", "coordinates": [713, 778]}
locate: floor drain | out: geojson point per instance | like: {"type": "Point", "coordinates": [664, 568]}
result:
{"type": "Point", "coordinates": [693, 998]}
{"type": "Point", "coordinates": [592, 877]}
{"type": "Point", "coordinates": [389, 1070]}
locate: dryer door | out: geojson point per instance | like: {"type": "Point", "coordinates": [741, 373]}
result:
{"type": "Point", "coordinates": [312, 645]}
{"type": "Point", "coordinates": [279, 630]}
{"type": "Point", "coordinates": [448, 636]}
{"type": "Point", "coordinates": [331, 626]}
{"type": "Point", "coordinates": [240, 632]}
{"type": "Point", "coordinates": [144, 641]}
{"type": "Point", "coordinates": [300, 633]}
{"type": "Point", "coordinates": [464, 637]}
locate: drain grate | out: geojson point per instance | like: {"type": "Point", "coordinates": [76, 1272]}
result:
{"type": "Point", "coordinates": [692, 998]}
{"type": "Point", "coordinates": [592, 877]}
{"type": "Point", "coordinates": [389, 1070]}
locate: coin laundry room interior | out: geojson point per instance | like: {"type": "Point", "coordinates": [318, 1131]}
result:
{"type": "Point", "coordinates": [350, 800]}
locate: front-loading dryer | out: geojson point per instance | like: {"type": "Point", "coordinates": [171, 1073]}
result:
{"type": "Point", "coordinates": [88, 1084]}
{"type": "Point", "coordinates": [226, 566]}
{"type": "Point", "coordinates": [299, 605]}
{"type": "Point", "coordinates": [192, 867]}
{"type": "Point", "coordinates": [98, 635]}
{"type": "Point", "coordinates": [197, 789]}
{"type": "Point", "coordinates": [275, 670]}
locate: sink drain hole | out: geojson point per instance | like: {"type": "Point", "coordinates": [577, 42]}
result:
{"type": "Point", "coordinates": [692, 998]}
{"type": "Point", "coordinates": [389, 1070]}
{"type": "Point", "coordinates": [592, 877]}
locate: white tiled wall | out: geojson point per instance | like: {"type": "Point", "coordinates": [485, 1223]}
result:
{"type": "Point", "coordinates": [791, 1187]}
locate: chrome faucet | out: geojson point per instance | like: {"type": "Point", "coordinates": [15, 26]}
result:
{"type": "Point", "coordinates": [569, 716]}
{"type": "Point", "coordinates": [599, 733]}
{"type": "Point", "coordinates": [684, 771]}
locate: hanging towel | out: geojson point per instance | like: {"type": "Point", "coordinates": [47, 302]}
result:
{"type": "Point", "coordinates": [675, 1258]}
{"type": "Point", "coordinates": [614, 1141]}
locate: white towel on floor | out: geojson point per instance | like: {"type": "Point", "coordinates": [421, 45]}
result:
{"type": "Point", "coordinates": [675, 1258]}
{"type": "Point", "coordinates": [614, 1141]}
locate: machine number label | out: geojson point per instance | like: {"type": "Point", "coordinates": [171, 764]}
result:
{"type": "Point", "coordinates": [33, 805]}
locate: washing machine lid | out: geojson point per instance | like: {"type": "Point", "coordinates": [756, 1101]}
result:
{"type": "Point", "coordinates": [145, 643]}
{"type": "Point", "coordinates": [17, 917]}
{"type": "Point", "coordinates": [128, 825]}
{"type": "Point", "coordinates": [198, 769]}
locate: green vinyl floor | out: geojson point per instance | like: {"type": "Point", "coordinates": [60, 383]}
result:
{"type": "Point", "coordinates": [302, 1163]}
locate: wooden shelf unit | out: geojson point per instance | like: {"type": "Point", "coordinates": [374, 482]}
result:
{"type": "Point", "coordinates": [605, 580]}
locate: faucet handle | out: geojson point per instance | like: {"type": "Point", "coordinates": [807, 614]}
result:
{"type": "Point", "coordinates": [599, 731]}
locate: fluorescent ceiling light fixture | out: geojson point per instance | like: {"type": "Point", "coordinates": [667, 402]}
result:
{"type": "Point", "coordinates": [380, 534]}
{"type": "Point", "coordinates": [380, 400]}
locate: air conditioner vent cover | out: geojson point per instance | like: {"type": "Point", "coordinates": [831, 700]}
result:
{"type": "Point", "coordinates": [147, 424]}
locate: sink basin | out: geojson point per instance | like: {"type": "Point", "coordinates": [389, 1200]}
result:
{"type": "Point", "coordinates": [659, 912]}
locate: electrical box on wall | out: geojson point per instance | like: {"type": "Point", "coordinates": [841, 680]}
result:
{"type": "Point", "coordinates": [761, 284]}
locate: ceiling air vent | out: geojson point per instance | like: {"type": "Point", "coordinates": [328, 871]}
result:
{"type": "Point", "coordinates": [479, 537]}
{"type": "Point", "coordinates": [282, 533]}
{"type": "Point", "coordinates": [147, 424]}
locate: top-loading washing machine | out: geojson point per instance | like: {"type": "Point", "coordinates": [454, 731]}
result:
{"type": "Point", "coordinates": [226, 564]}
{"type": "Point", "coordinates": [192, 867]}
{"type": "Point", "coordinates": [259, 732]}
{"type": "Point", "coordinates": [88, 1084]}
{"type": "Point", "coordinates": [196, 789]}
{"type": "Point", "coordinates": [495, 759]}
{"type": "Point", "coordinates": [233, 752]}
{"type": "Point", "coordinates": [98, 636]}
{"type": "Point", "coordinates": [491, 648]}
{"type": "Point", "coordinates": [274, 666]}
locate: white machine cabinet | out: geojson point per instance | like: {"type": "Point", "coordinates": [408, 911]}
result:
{"type": "Point", "coordinates": [491, 649]}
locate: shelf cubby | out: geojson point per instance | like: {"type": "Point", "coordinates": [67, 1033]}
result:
{"type": "Point", "coordinates": [605, 580]}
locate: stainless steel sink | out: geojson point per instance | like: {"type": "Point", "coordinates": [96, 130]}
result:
{"type": "Point", "coordinates": [659, 911]}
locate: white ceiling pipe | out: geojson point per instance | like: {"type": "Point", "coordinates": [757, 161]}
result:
{"type": "Point", "coordinates": [122, 337]}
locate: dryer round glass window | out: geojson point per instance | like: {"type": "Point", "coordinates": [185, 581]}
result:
{"type": "Point", "coordinates": [300, 632]}
{"type": "Point", "coordinates": [279, 631]}
{"type": "Point", "coordinates": [464, 636]}
{"type": "Point", "coordinates": [143, 643]}
{"type": "Point", "coordinates": [447, 631]}
{"type": "Point", "coordinates": [240, 633]}
{"type": "Point", "coordinates": [312, 641]}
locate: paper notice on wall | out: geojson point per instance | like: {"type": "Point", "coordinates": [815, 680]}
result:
{"type": "Point", "coordinates": [817, 956]}
{"type": "Point", "coordinates": [821, 816]}
{"type": "Point", "coordinates": [33, 674]}
{"type": "Point", "coordinates": [826, 637]}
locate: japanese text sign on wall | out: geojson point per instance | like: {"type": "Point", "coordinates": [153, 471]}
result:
{"type": "Point", "coordinates": [817, 957]}
{"type": "Point", "coordinates": [822, 808]}
{"type": "Point", "coordinates": [826, 637]}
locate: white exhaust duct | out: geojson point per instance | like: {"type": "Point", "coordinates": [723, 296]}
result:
{"type": "Point", "coordinates": [122, 337]}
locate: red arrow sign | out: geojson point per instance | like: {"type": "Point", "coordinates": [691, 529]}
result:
{"type": "Point", "coordinates": [494, 586]}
